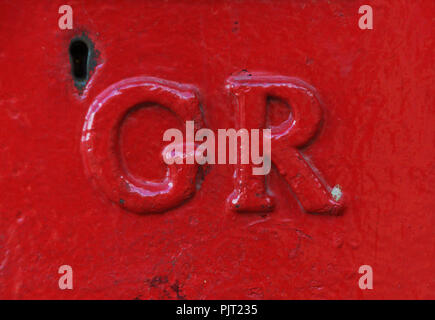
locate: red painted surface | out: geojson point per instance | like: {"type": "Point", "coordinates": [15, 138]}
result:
{"type": "Point", "coordinates": [252, 99]}
{"type": "Point", "coordinates": [376, 141]}
{"type": "Point", "coordinates": [101, 143]}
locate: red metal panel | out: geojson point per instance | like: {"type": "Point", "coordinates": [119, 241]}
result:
{"type": "Point", "coordinates": [375, 140]}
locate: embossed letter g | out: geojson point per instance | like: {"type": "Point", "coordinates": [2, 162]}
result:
{"type": "Point", "coordinates": [100, 144]}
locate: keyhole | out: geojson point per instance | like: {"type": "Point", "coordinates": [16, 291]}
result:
{"type": "Point", "coordinates": [79, 53]}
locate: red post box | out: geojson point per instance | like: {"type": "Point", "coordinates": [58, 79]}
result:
{"type": "Point", "coordinates": [83, 183]}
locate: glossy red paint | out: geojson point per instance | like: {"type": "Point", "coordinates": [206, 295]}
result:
{"type": "Point", "coordinates": [251, 95]}
{"type": "Point", "coordinates": [376, 141]}
{"type": "Point", "coordinates": [100, 143]}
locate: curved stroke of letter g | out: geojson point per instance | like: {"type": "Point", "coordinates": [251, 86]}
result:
{"type": "Point", "coordinates": [100, 144]}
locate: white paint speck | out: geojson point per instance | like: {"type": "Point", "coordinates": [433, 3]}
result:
{"type": "Point", "coordinates": [336, 193]}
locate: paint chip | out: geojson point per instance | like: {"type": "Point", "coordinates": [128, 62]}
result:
{"type": "Point", "coordinates": [336, 193]}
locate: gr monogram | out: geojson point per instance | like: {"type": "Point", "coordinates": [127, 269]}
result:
{"type": "Point", "coordinates": [248, 95]}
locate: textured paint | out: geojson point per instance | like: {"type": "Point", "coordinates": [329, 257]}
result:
{"type": "Point", "coordinates": [376, 142]}
{"type": "Point", "coordinates": [251, 100]}
{"type": "Point", "coordinates": [102, 138]}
